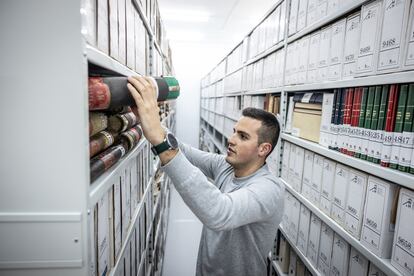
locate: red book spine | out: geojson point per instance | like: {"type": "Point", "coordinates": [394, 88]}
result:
{"type": "Point", "coordinates": [347, 118]}
{"type": "Point", "coordinates": [389, 125]}
{"type": "Point", "coordinates": [355, 119]}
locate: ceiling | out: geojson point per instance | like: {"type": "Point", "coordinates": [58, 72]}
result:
{"type": "Point", "coordinates": [218, 22]}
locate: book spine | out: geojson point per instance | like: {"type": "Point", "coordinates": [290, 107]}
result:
{"type": "Point", "coordinates": [354, 121]}
{"type": "Point", "coordinates": [361, 121]}
{"type": "Point", "coordinates": [408, 133]}
{"type": "Point", "coordinates": [367, 122]}
{"type": "Point", "coordinates": [100, 142]}
{"type": "Point", "coordinates": [342, 120]}
{"type": "Point", "coordinates": [97, 122]}
{"type": "Point", "coordinates": [350, 108]}
{"type": "Point", "coordinates": [389, 126]}
{"type": "Point", "coordinates": [398, 128]}
{"type": "Point", "coordinates": [337, 119]}
{"type": "Point", "coordinates": [381, 124]}
{"type": "Point", "coordinates": [332, 125]}
{"type": "Point", "coordinates": [102, 162]}
{"type": "Point", "coordinates": [374, 124]}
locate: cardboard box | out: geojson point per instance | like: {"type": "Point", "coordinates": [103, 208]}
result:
{"type": "Point", "coordinates": [354, 208]}
{"type": "Point", "coordinates": [409, 49]}
{"type": "Point", "coordinates": [284, 255]}
{"type": "Point", "coordinates": [293, 17]}
{"type": "Point", "coordinates": [103, 26]}
{"type": "Point", "coordinates": [325, 245]}
{"type": "Point", "coordinates": [303, 233]}
{"type": "Point", "coordinates": [306, 124]}
{"type": "Point", "coordinates": [369, 38]}
{"type": "Point", "coordinates": [103, 235]}
{"type": "Point", "coordinates": [378, 226]}
{"type": "Point", "coordinates": [298, 171]}
{"type": "Point", "coordinates": [300, 267]}
{"type": "Point", "coordinates": [340, 256]}
{"type": "Point", "coordinates": [328, 179]}
{"type": "Point", "coordinates": [314, 237]}
{"type": "Point", "coordinates": [358, 264]}
{"type": "Point", "coordinates": [337, 49]}
{"type": "Point", "coordinates": [340, 191]}
{"type": "Point", "coordinates": [403, 249]}
{"type": "Point", "coordinates": [285, 160]}
{"type": "Point", "coordinates": [393, 34]}
{"type": "Point", "coordinates": [292, 263]}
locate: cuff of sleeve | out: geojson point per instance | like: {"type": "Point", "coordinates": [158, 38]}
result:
{"type": "Point", "coordinates": [178, 169]}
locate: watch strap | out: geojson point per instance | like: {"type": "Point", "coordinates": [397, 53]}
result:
{"type": "Point", "coordinates": [160, 148]}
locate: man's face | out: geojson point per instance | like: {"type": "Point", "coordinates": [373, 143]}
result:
{"type": "Point", "coordinates": [243, 143]}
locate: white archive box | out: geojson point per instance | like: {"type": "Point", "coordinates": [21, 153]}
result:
{"type": "Point", "coordinates": [337, 49]}
{"type": "Point", "coordinates": [323, 57]}
{"type": "Point", "coordinates": [92, 221]}
{"type": "Point", "coordinates": [322, 8]}
{"type": "Point", "coordinates": [134, 256]}
{"type": "Point", "coordinates": [333, 6]}
{"type": "Point", "coordinates": [313, 57]}
{"type": "Point", "coordinates": [369, 38]}
{"type": "Point", "coordinates": [89, 21]}
{"type": "Point", "coordinates": [303, 59]}
{"type": "Point", "coordinates": [358, 264]}
{"type": "Point", "coordinates": [340, 256]}
{"type": "Point", "coordinates": [403, 247]}
{"type": "Point", "coordinates": [340, 192]}
{"type": "Point", "coordinates": [393, 34]}
{"type": "Point", "coordinates": [285, 160]}
{"type": "Point", "coordinates": [374, 271]}
{"type": "Point", "coordinates": [327, 107]}
{"type": "Point", "coordinates": [317, 178]}
{"type": "Point", "coordinates": [117, 216]}
{"type": "Point", "coordinates": [103, 26]}
{"type": "Point", "coordinates": [102, 240]}
{"type": "Point", "coordinates": [302, 12]}
{"type": "Point", "coordinates": [293, 17]}
{"type": "Point", "coordinates": [303, 233]}
{"type": "Point", "coordinates": [292, 263]}
{"type": "Point", "coordinates": [312, 14]}
{"type": "Point", "coordinates": [287, 210]}
{"type": "Point", "coordinates": [276, 25]}
{"type": "Point", "coordinates": [289, 63]}
{"type": "Point", "coordinates": [307, 168]}
{"type": "Point", "coordinates": [328, 178]}
{"type": "Point", "coordinates": [378, 227]}
{"type": "Point", "coordinates": [298, 170]}
{"type": "Point", "coordinates": [314, 237]}
{"type": "Point", "coordinates": [113, 29]}
{"type": "Point", "coordinates": [409, 48]}
{"type": "Point", "coordinates": [355, 201]}
{"type": "Point", "coordinates": [292, 163]}
{"type": "Point", "coordinates": [125, 204]}
{"type": "Point", "coordinates": [127, 260]}
{"type": "Point", "coordinates": [294, 219]}
{"type": "Point", "coordinates": [325, 248]}
{"type": "Point", "coordinates": [351, 45]}
{"type": "Point", "coordinates": [282, 25]}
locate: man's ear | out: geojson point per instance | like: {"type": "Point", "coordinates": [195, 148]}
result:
{"type": "Point", "coordinates": [264, 149]}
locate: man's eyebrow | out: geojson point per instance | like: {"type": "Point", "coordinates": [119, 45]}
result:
{"type": "Point", "coordinates": [242, 132]}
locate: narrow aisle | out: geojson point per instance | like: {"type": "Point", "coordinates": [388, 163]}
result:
{"type": "Point", "coordinates": [182, 241]}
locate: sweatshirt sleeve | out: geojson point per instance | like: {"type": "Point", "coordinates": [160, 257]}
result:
{"type": "Point", "coordinates": [208, 163]}
{"type": "Point", "coordinates": [223, 211]}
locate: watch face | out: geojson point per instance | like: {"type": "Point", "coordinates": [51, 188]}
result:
{"type": "Point", "coordinates": [172, 141]}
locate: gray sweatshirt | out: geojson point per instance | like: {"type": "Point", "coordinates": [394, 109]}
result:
{"type": "Point", "coordinates": [240, 215]}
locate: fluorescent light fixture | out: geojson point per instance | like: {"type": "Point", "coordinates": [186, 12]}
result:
{"type": "Point", "coordinates": [186, 15]}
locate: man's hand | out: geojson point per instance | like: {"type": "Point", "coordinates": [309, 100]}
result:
{"type": "Point", "coordinates": [144, 93]}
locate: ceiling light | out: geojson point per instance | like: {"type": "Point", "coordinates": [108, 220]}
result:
{"type": "Point", "coordinates": [186, 15]}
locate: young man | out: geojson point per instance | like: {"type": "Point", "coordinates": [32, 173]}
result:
{"type": "Point", "coordinates": [243, 208]}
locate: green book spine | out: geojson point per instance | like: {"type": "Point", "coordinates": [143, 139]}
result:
{"type": "Point", "coordinates": [367, 122]}
{"type": "Point", "coordinates": [398, 128]}
{"type": "Point", "coordinates": [361, 121]}
{"type": "Point", "coordinates": [374, 123]}
{"type": "Point", "coordinates": [381, 123]}
{"type": "Point", "coordinates": [407, 144]}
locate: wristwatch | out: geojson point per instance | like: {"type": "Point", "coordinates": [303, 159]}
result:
{"type": "Point", "coordinates": [169, 143]}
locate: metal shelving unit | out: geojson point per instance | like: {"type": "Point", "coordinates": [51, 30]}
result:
{"type": "Point", "coordinates": [402, 76]}
{"type": "Point", "coordinates": [48, 200]}
{"type": "Point", "coordinates": [383, 264]}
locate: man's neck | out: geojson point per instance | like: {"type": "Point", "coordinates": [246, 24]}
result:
{"type": "Point", "coordinates": [246, 171]}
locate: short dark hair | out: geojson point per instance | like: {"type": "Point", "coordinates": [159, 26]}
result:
{"type": "Point", "coordinates": [270, 129]}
